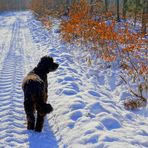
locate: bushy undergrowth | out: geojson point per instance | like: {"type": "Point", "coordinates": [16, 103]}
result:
{"type": "Point", "coordinates": [112, 41]}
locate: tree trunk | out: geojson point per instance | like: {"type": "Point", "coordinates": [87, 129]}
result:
{"type": "Point", "coordinates": [118, 16]}
{"type": "Point", "coordinates": [68, 2]}
{"type": "Point", "coordinates": [124, 8]}
{"type": "Point", "coordinates": [135, 19]}
{"type": "Point", "coordinates": [106, 5]}
{"type": "Point", "coordinates": [91, 7]}
{"type": "Point", "coordinates": [144, 16]}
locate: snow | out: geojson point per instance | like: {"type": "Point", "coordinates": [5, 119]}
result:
{"type": "Point", "coordinates": [87, 100]}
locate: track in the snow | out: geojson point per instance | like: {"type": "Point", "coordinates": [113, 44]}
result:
{"type": "Point", "coordinates": [13, 131]}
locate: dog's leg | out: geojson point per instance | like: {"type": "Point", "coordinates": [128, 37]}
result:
{"type": "Point", "coordinates": [40, 122]}
{"type": "Point", "coordinates": [45, 97]}
{"type": "Point", "coordinates": [30, 121]}
{"type": "Point", "coordinates": [29, 109]}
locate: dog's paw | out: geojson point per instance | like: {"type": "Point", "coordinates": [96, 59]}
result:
{"type": "Point", "coordinates": [38, 130]}
{"type": "Point", "coordinates": [30, 127]}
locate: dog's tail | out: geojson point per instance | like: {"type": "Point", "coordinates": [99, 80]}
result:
{"type": "Point", "coordinates": [43, 108]}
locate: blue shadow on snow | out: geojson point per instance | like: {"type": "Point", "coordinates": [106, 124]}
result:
{"type": "Point", "coordinates": [45, 139]}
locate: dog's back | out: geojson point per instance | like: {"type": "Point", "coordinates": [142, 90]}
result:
{"type": "Point", "coordinates": [34, 94]}
{"type": "Point", "coordinates": [33, 85]}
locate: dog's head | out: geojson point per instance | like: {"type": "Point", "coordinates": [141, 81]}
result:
{"type": "Point", "coordinates": [47, 64]}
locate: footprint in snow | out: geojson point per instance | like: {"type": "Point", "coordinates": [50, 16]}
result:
{"type": "Point", "coordinates": [93, 93]}
{"type": "Point", "coordinates": [77, 105]}
{"type": "Point", "coordinates": [92, 140]}
{"type": "Point", "coordinates": [72, 70]}
{"type": "Point", "coordinates": [69, 92]}
{"type": "Point", "coordinates": [71, 125]}
{"type": "Point", "coordinates": [76, 115]}
{"type": "Point", "coordinates": [69, 78]}
{"type": "Point", "coordinates": [73, 86]}
{"type": "Point", "coordinates": [97, 108]}
{"type": "Point", "coordinates": [110, 123]}
{"type": "Point", "coordinates": [101, 80]}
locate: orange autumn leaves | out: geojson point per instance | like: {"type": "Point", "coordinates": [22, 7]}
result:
{"type": "Point", "coordinates": [113, 42]}
{"type": "Point", "coordinates": [46, 22]}
{"type": "Point", "coordinates": [81, 25]}
{"type": "Point", "coordinates": [143, 69]}
{"type": "Point", "coordinates": [106, 36]}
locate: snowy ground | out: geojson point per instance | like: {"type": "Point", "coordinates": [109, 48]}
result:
{"type": "Point", "coordinates": [88, 110]}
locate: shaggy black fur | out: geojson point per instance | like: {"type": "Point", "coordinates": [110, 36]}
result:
{"type": "Point", "coordinates": [35, 89]}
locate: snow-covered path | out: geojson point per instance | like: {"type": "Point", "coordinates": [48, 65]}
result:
{"type": "Point", "coordinates": [11, 113]}
{"type": "Point", "coordinates": [88, 112]}
{"type": "Point", "coordinates": [12, 118]}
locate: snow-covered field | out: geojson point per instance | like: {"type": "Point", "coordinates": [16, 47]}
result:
{"type": "Point", "coordinates": [88, 110]}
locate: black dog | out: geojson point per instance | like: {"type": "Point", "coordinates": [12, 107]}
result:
{"type": "Point", "coordinates": [35, 89]}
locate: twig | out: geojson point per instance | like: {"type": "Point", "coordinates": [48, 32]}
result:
{"type": "Point", "coordinates": [139, 96]}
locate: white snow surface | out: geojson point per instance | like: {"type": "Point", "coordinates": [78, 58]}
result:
{"type": "Point", "coordinates": [87, 100]}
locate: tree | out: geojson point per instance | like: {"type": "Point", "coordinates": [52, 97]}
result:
{"type": "Point", "coordinates": [136, 11]}
{"type": "Point", "coordinates": [124, 8]}
{"type": "Point", "coordinates": [134, 7]}
{"type": "Point", "coordinates": [68, 2]}
{"type": "Point", "coordinates": [118, 16]}
{"type": "Point", "coordinates": [106, 5]}
{"type": "Point", "coordinates": [144, 16]}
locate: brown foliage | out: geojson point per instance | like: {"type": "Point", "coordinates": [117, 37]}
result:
{"type": "Point", "coordinates": [113, 40]}
{"type": "Point", "coordinates": [134, 104]}
{"type": "Point", "coordinates": [38, 7]}
{"type": "Point", "coordinates": [46, 22]}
